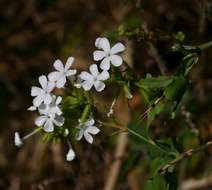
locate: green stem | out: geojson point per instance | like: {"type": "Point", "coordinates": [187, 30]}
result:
{"type": "Point", "coordinates": [205, 45]}
{"type": "Point", "coordinates": [149, 141]}
{"type": "Point", "coordinates": [85, 113]}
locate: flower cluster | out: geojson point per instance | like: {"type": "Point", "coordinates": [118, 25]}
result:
{"type": "Point", "coordinates": [48, 104]}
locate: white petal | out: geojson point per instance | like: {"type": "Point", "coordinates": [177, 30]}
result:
{"type": "Point", "coordinates": [99, 86]}
{"type": "Point", "coordinates": [66, 132]}
{"type": "Point", "coordinates": [69, 63]}
{"type": "Point", "coordinates": [104, 44]}
{"type": "Point", "coordinates": [89, 122]}
{"type": "Point", "coordinates": [71, 72]}
{"type": "Point", "coordinates": [58, 100]}
{"type": "Point", "coordinates": [119, 47]}
{"type": "Point", "coordinates": [17, 140]}
{"type": "Point", "coordinates": [47, 99]}
{"type": "Point", "coordinates": [35, 91]}
{"type": "Point", "coordinates": [58, 65]}
{"type": "Point", "coordinates": [86, 76]}
{"type": "Point", "coordinates": [79, 135]}
{"type": "Point", "coordinates": [38, 100]}
{"type": "Point", "coordinates": [61, 82]}
{"type": "Point", "coordinates": [88, 137]}
{"type": "Point", "coordinates": [116, 60]}
{"type": "Point", "coordinates": [94, 70]}
{"type": "Point", "coordinates": [98, 55]}
{"type": "Point", "coordinates": [87, 85]}
{"type": "Point", "coordinates": [70, 155]}
{"type": "Point", "coordinates": [43, 81]}
{"type": "Point", "coordinates": [97, 42]}
{"type": "Point", "coordinates": [104, 75]}
{"type": "Point", "coordinates": [50, 86]}
{"type": "Point", "coordinates": [59, 120]}
{"type": "Point", "coordinates": [48, 126]}
{"type": "Point", "coordinates": [105, 64]}
{"type": "Point", "coordinates": [92, 130]}
{"type": "Point", "coordinates": [39, 121]}
{"type": "Point", "coordinates": [53, 76]}
{"type": "Point", "coordinates": [32, 108]}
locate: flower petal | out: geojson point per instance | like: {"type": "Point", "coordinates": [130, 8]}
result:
{"type": "Point", "coordinates": [43, 81]}
{"type": "Point", "coordinates": [116, 60]}
{"type": "Point", "coordinates": [86, 76]}
{"type": "Point", "coordinates": [32, 108]}
{"type": "Point", "coordinates": [69, 63]}
{"type": "Point", "coordinates": [97, 42]}
{"type": "Point", "coordinates": [50, 86]}
{"type": "Point", "coordinates": [99, 86]}
{"type": "Point", "coordinates": [61, 82]}
{"type": "Point", "coordinates": [70, 155]}
{"type": "Point", "coordinates": [104, 75]}
{"type": "Point", "coordinates": [87, 85]}
{"type": "Point", "coordinates": [58, 65]}
{"type": "Point", "coordinates": [39, 121]}
{"type": "Point", "coordinates": [48, 126]}
{"type": "Point", "coordinates": [35, 91]}
{"type": "Point", "coordinates": [119, 47]}
{"type": "Point", "coordinates": [71, 72]}
{"type": "Point", "coordinates": [79, 135]}
{"type": "Point", "coordinates": [58, 120]}
{"type": "Point", "coordinates": [58, 100]}
{"type": "Point", "coordinates": [38, 100]}
{"type": "Point", "coordinates": [98, 55]}
{"type": "Point", "coordinates": [93, 130]}
{"type": "Point", "coordinates": [90, 122]}
{"type": "Point", "coordinates": [88, 137]}
{"type": "Point", "coordinates": [94, 70]}
{"type": "Point", "coordinates": [47, 99]}
{"type": "Point", "coordinates": [53, 76]}
{"type": "Point", "coordinates": [104, 44]}
{"type": "Point", "coordinates": [17, 140]}
{"type": "Point", "coordinates": [105, 64]}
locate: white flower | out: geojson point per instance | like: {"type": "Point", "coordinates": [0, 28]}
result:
{"type": "Point", "coordinates": [87, 129]}
{"type": "Point", "coordinates": [53, 107]}
{"type": "Point", "coordinates": [70, 155]}
{"type": "Point", "coordinates": [108, 55]}
{"type": "Point", "coordinates": [42, 95]}
{"type": "Point", "coordinates": [94, 79]}
{"type": "Point", "coordinates": [17, 139]}
{"type": "Point", "coordinates": [63, 72]}
{"type": "Point", "coordinates": [49, 118]}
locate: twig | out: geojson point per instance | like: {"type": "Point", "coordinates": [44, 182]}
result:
{"type": "Point", "coordinates": [197, 183]}
{"type": "Point", "coordinates": [186, 155]}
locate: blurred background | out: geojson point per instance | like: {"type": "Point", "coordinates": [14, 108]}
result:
{"type": "Point", "coordinates": [34, 33]}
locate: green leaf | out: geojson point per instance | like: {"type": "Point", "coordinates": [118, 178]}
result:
{"type": "Point", "coordinates": [154, 83]}
{"type": "Point", "coordinates": [176, 90]}
{"type": "Point", "coordinates": [155, 165]}
{"type": "Point", "coordinates": [187, 63]}
{"type": "Point", "coordinates": [156, 183]}
{"type": "Point", "coordinates": [159, 107]}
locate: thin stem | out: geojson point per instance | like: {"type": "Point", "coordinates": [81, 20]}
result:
{"type": "Point", "coordinates": [31, 134]}
{"type": "Point", "coordinates": [185, 155]}
{"type": "Point", "coordinates": [147, 140]}
{"type": "Point", "coordinates": [205, 45]}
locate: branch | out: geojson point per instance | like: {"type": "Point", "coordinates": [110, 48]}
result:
{"type": "Point", "coordinates": [186, 155]}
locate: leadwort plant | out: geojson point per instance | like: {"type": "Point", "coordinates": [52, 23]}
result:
{"type": "Point", "coordinates": [73, 116]}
